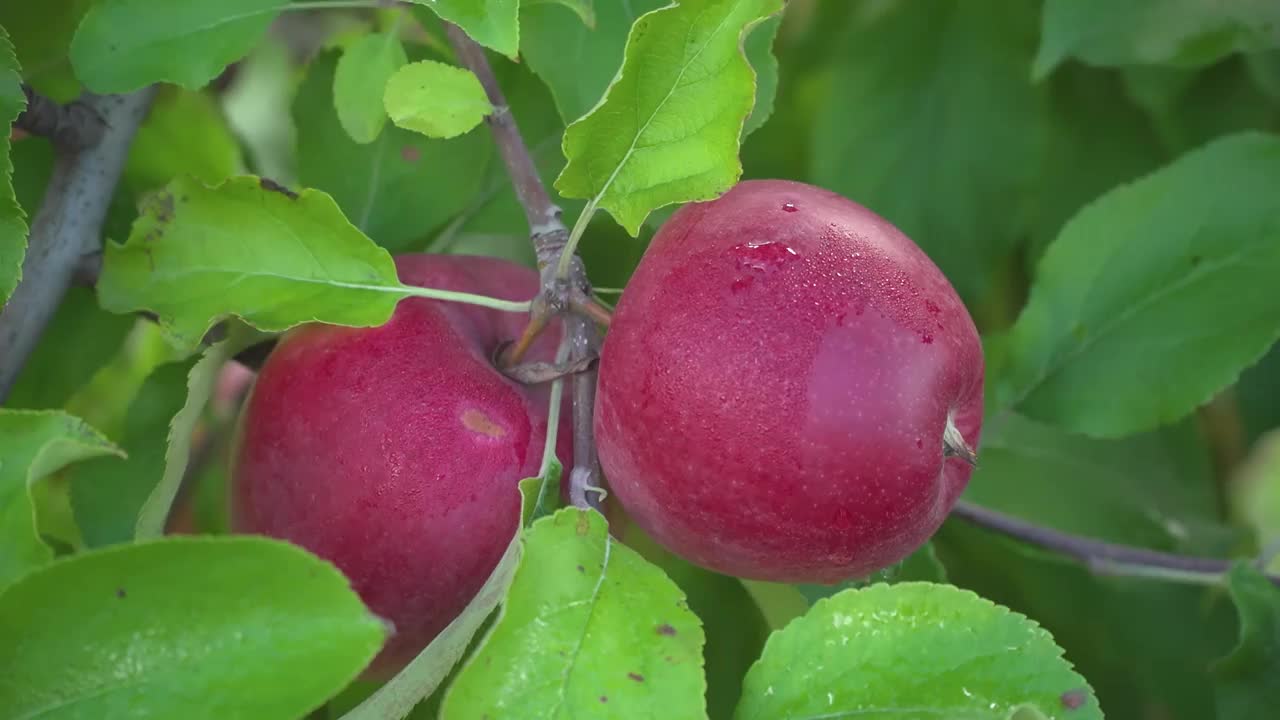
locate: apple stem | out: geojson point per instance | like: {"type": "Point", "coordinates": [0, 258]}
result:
{"type": "Point", "coordinates": [566, 292]}
{"type": "Point", "coordinates": [954, 444]}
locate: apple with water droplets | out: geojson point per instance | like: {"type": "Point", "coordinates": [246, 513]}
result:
{"type": "Point", "coordinates": [395, 452]}
{"type": "Point", "coordinates": [790, 390]}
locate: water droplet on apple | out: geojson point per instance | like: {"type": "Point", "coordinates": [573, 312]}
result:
{"type": "Point", "coordinates": [789, 207]}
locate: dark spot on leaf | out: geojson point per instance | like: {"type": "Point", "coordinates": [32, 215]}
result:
{"type": "Point", "coordinates": [581, 569]}
{"type": "Point", "coordinates": [665, 629]}
{"type": "Point", "coordinates": [273, 186]}
{"type": "Point", "coordinates": [604, 698]}
{"type": "Point", "coordinates": [120, 593]}
{"type": "Point", "coordinates": [1195, 260]}
{"type": "Point", "coordinates": [669, 659]}
{"type": "Point", "coordinates": [1073, 699]}
{"type": "Point", "coordinates": [159, 206]}
{"type": "Point", "coordinates": [636, 676]}
{"type": "Point", "coordinates": [410, 154]}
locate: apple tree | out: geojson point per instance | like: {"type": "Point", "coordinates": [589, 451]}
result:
{"type": "Point", "coordinates": [691, 359]}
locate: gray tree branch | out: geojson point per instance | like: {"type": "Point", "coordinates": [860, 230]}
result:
{"type": "Point", "coordinates": [1099, 556]}
{"type": "Point", "coordinates": [68, 226]}
{"type": "Point", "coordinates": [549, 237]}
{"type": "Point", "coordinates": [74, 126]}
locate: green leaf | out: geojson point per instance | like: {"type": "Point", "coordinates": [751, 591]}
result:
{"type": "Point", "coordinates": [912, 650]}
{"type": "Point", "coordinates": [183, 627]}
{"type": "Point", "coordinates": [668, 128]}
{"type": "Point", "coordinates": [124, 45]}
{"type": "Point", "coordinates": [588, 629]}
{"type": "Point", "coordinates": [1255, 492]}
{"type": "Point", "coordinates": [584, 9]}
{"type": "Point", "coordinates": [1090, 117]}
{"type": "Point", "coordinates": [393, 189]}
{"type": "Point", "coordinates": [154, 513]}
{"type": "Point", "coordinates": [759, 50]}
{"type": "Point", "coordinates": [250, 248]}
{"type": "Point", "coordinates": [107, 493]}
{"type": "Point", "coordinates": [492, 23]}
{"type": "Point", "coordinates": [435, 99]}
{"type": "Point", "coordinates": [1153, 32]}
{"type": "Point", "coordinates": [1167, 279]}
{"type": "Point", "coordinates": [932, 123]}
{"type": "Point", "coordinates": [360, 80]}
{"type": "Point", "coordinates": [577, 63]}
{"type": "Point", "coordinates": [41, 33]}
{"type": "Point", "coordinates": [52, 375]}
{"type": "Point", "coordinates": [1245, 679]}
{"type": "Point", "coordinates": [1153, 490]}
{"type": "Point", "coordinates": [1192, 107]}
{"type": "Point", "coordinates": [425, 673]}
{"type": "Point", "coordinates": [541, 494]}
{"type": "Point", "coordinates": [188, 120]}
{"type": "Point", "coordinates": [105, 400]}
{"type": "Point", "coordinates": [920, 566]}
{"type": "Point", "coordinates": [735, 626]}
{"type": "Point", "coordinates": [33, 445]}
{"type": "Point", "coordinates": [13, 224]}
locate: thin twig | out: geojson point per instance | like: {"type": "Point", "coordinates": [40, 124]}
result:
{"type": "Point", "coordinates": [74, 126]}
{"type": "Point", "coordinates": [1101, 557]}
{"type": "Point", "coordinates": [68, 226]}
{"type": "Point", "coordinates": [559, 291]}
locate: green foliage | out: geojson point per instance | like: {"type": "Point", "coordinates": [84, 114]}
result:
{"type": "Point", "coordinates": [941, 143]}
{"type": "Point", "coordinates": [639, 150]}
{"type": "Point", "coordinates": [34, 444]}
{"type": "Point", "coordinates": [195, 627]}
{"type": "Point", "coordinates": [393, 189]}
{"type": "Point", "coordinates": [435, 99]}
{"type": "Point", "coordinates": [107, 493]}
{"type": "Point", "coordinates": [492, 23]}
{"type": "Point", "coordinates": [614, 636]}
{"type": "Point", "coordinates": [189, 120]}
{"type": "Point", "coordinates": [1254, 662]}
{"type": "Point", "coordinates": [360, 81]}
{"type": "Point", "coordinates": [1105, 205]}
{"type": "Point", "coordinates": [1130, 279]}
{"type": "Point", "coordinates": [53, 375]}
{"type": "Point", "coordinates": [1153, 32]}
{"type": "Point", "coordinates": [919, 649]}
{"type": "Point", "coordinates": [1255, 493]}
{"type": "Point", "coordinates": [123, 45]}
{"type": "Point", "coordinates": [154, 513]}
{"type": "Point", "coordinates": [13, 225]}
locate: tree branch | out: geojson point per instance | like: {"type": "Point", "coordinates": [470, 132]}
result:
{"type": "Point", "coordinates": [74, 126]}
{"type": "Point", "coordinates": [68, 226]}
{"type": "Point", "coordinates": [549, 237]}
{"type": "Point", "coordinates": [1101, 557]}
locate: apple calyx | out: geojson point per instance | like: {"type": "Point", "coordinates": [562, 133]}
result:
{"type": "Point", "coordinates": [954, 444]}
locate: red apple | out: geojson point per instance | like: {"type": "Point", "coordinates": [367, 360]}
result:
{"type": "Point", "coordinates": [777, 386]}
{"type": "Point", "coordinates": [395, 452]}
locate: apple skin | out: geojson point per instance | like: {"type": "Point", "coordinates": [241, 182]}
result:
{"type": "Point", "coordinates": [775, 385]}
{"type": "Point", "coordinates": [395, 452]}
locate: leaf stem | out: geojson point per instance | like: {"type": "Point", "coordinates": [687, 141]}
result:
{"type": "Point", "coordinates": [469, 299]}
{"type": "Point", "coordinates": [68, 225]}
{"type": "Point", "coordinates": [1099, 556]}
{"type": "Point", "coordinates": [579, 228]}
